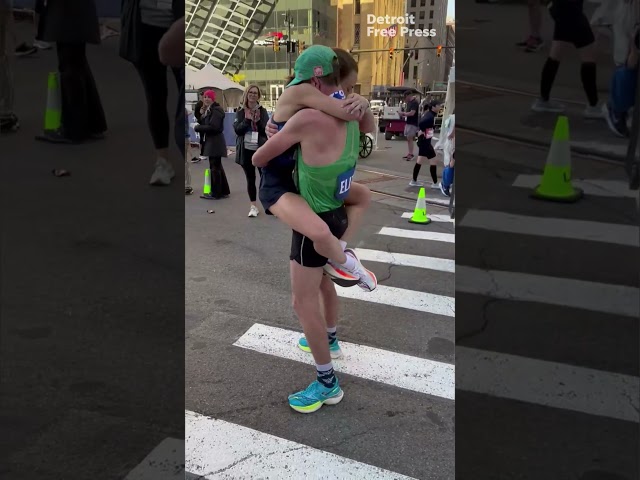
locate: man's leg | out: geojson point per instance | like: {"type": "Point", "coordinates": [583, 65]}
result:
{"type": "Point", "coordinates": [305, 286]}
{"type": "Point", "coordinates": [329, 300]}
{"type": "Point", "coordinates": [356, 203]}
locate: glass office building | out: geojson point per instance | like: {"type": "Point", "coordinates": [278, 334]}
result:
{"type": "Point", "coordinates": [310, 21]}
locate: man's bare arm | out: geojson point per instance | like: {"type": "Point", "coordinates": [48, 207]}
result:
{"type": "Point", "coordinates": [283, 140]}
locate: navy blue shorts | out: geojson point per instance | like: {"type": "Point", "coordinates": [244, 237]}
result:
{"type": "Point", "coordinates": [275, 182]}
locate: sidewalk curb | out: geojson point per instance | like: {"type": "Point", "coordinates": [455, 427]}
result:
{"type": "Point", "coordinates": [593, 154]}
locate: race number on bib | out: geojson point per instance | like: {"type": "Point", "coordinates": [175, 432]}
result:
{"type": "Point", "coordinates": [344, 184]}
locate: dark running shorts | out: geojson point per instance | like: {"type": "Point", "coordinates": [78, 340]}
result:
{"type": "Point", "coordinates": [274, 183]}
{"type": "Point", "coordinates": [573, 28]}
{"type": "Point", "coordinates": [302, 249]}
{"type": "Point", "coordinates": [425, 149]}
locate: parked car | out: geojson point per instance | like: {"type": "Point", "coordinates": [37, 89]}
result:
{"type": "Point", "coordinates": [377, 106]}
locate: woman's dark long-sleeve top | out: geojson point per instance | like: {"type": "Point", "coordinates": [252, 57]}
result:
{"type": "Point", "coordinates": [242, 125]}
{"type": "Point", "coordinates": [212, 125]}
{"type": "Point", "coordinates": [427, 121]}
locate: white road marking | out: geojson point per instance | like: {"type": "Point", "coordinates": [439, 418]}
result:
{"type": "Point", "coordinates": [556, 385]}
{"type": "Point", "coordinates": [402, 298]}
{"type": "Point", "coordinates": [403, 371]}
{"type": "Point", "coordinates": [165, 462]}
{"type": "Point", "coordinates": [418, 234]}
{"type": "Point", "coordinates": [434, 218]}
{"type": "Point", "coordinates": [597, 297]}
{"type": "Point", "coordinates": [405, 260]}
{"type": "Point", "coordinates": [552, 227]}
{"type": "Point", "coordinates": [603, 188]}
{"type": "Point", "coordinates": [217, 449]}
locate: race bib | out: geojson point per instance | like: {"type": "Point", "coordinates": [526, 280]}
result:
{"type": "Point", "coordinates": [251, 140]}
{"type": "Point", "coordinates": [344, 184]}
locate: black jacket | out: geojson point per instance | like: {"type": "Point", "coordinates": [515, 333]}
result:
{"type": "Point", "coordinates": [130, 34]}
{"type": "Point", "coordinates": [71, 21]}
{"type": "Point", "coordinates": [241, 126]}
{"type": "Point", "coordinates": [212, 124]}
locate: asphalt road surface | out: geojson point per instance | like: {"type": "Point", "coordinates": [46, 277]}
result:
{"type": "Point", "coordinates": [397, 416]}
{"type": "Point", "coordinates": [547, 325]}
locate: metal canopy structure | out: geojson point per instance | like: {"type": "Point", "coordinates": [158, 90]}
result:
{"type": "Point", "coordinates": [222, 32]}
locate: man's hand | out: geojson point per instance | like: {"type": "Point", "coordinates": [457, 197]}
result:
{"type": "Point", "coordinates": [271, 128]}
{"type": "Point", "coordinates": [356, 104]}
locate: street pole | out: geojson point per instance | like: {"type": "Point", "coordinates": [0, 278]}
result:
{"type": "Point", "coordinates": [290, 41]}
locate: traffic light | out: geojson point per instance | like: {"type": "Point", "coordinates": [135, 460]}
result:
{"type": "Point", "coordinates": [301, 46]}
{"type": "Point", "coordinates": [391, 53]}
{"type": "Point", "coordinates": [439, 50]}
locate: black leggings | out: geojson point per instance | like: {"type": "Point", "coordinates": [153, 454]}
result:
{"type": "Point", "coordinates": [154, 80]}
{"type": "Point", "coordinates": [250, 173]}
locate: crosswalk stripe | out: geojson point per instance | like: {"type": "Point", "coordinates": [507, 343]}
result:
{"type": "Point", "coordinates": [406, 260]}
{"type": "Point", "coordinates": [165, 462]}
{"type": "Point", "coordinates": [403, 298]}
{"type": "Point", "coordinates": [396, 369]}
{"type": "Point", "coordinates": [603, 188]}
{"type": "Point", "coordinates": [597, 297]}
{"type": "Point", "coordinates": [557, 385]}
{"type": "Point", "coordinates": [434, 218]}
{"type": "Point", "coordinates": [418, 234]}
{"type": "Point", "coordinates": [219, 449]}
{"type": "Point", "coordinates": [552, 227]}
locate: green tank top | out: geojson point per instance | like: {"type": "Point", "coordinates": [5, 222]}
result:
{"type": "Point", "coordinates": [325, 188]}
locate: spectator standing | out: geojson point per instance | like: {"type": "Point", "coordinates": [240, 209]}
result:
{"type": "Point", "coordinates": [71, 24]}
{"type": "Point", "coordinates": [215, 147]}
{"type": "Point", "coordinates": [249, 125]}
{"type": "Point", "coordinates": [143, 24]}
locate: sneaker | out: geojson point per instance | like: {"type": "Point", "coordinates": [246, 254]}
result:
{"type": "Point", "coordinates": [334, 348]}
{"type": "Point", "coordinates": [196, 159]}
{"type": "Point", "coordinates": [413, 183]}
{"type": "Point", "coordinates": [435, 185]}
{"type": "Point", "coordinates": [163, 173]}
{"type": "Point", "coordinates": [253, 211]}
{"type": "Point", "coordinates": [40, 45]}
{"type": "Point", "coordinates": [23, 50]}
{"type": "Point", "coordinates": [314, 396]}
{"type": "Point", "coordinates": [593, 113]}
{"type": "Point", "coordinates": [9, 124]}
{"type": "Point", "coordinates": [533, 44]}
{"type": "Point", "coordinates": [368, 281]}
{"type": "Point", "coordinates": [188, 190]}
{"type": "Point", "coordinates": [617, 123]}
{"type": "Point", "coordinates": [339, 275]}
{"type": "Point", "coordinates": [408, 157]}
{"type": "Point", "coordinates": [445, 191]}
{"type": "Point", "coordinates": [547, 106]}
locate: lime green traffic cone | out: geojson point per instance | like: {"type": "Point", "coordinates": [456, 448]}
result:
{"type": "Point", "coordinates": [206, 189]}
{"type": "Point", "coordinates": [420, 212]}
{"type": "Point", "coordinates": [556, 184]}
{"type": "Point", "coordinates": [53, 114]}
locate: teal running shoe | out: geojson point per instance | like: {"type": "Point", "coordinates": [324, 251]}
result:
{"type": "Point", "coordinates": [314, 396]}
{"type": "Point", "coordinates": [334, 349]}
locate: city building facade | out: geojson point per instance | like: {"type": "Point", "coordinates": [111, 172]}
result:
{"type": "Point", "coordinates": [428, 71]}
{"type": "Point", "coordinates": [302, 22]}
{"type": "Point", "coordinates": [364, 25]}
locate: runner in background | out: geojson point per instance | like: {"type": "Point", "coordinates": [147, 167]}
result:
{"type": "Point", "coordinates": [571, 28]}
{"type": "Point", "coordinates": [534, 41]}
